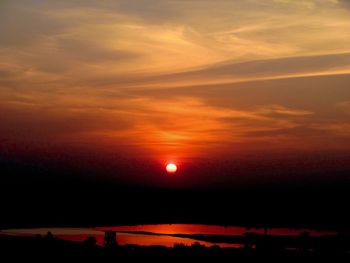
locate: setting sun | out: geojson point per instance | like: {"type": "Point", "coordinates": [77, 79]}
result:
{"type": "Point", "coordinates": [171, 168]}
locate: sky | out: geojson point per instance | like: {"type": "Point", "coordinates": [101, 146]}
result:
{"type": "Point", "coordinates": [174, 81]}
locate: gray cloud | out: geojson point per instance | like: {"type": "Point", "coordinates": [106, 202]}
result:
{"type": "Point", "coordinates": [270, 67]}
{"type": "Point", "coordinates": [345, 3]}
{"type": "Point", "coordinates": [70, 54]}
{"type": "Point", "coordinates": [150, 10]}
{"type": "Point", "coordinates": [302, 100]}
{"type": "Point", "coordinates": [251, 70]}
{"type": "Point", "coordinates": [90, 51]}
{"type": "Point", "coordinates": [23, 24]}
{"type": "Point", "coordinates": [28, 121]}
{"type": "Point", "coordinates": [295, 132]}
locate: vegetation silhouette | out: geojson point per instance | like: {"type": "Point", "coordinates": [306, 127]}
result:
{"type": "Point", "coordinates": [110, 239]}
{"type": "Point", "coordinates": [254, 247]}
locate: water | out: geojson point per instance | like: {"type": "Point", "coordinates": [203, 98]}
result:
{"type": "Point", "coordinates": [129, 235]}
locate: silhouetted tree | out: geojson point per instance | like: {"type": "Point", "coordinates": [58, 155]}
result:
{"type": "Point", "coordinates": [266, 230]}
{"type": "Point", "coordinates": [110, 239]}
{"type": "Point", "coordinates": [304, 241]}
{"type": "Point", "coordinates": [49, 235]}
{"type": "Point", "coordinates": [90, 241]}
{"type": "Point", "coordinates": [179, 246]}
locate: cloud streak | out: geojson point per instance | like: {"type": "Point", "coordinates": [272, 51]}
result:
{"type": "Point", "coordinates": [181, 78]}
{"type": "Point", "coordinates": [254, 70]}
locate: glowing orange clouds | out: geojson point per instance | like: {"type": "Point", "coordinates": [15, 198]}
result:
{"type": "Point", "coordinates": [185, 79]}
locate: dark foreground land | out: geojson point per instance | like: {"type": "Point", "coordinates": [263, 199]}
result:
{"type": "Point", "coordinates": [86, 205]}
{"type": "Point", "coordinates": [30, 198]}
{"type": "Point", "coordinates": [37, 197]}
{"type": "Point", "coordinates": [44, 249]}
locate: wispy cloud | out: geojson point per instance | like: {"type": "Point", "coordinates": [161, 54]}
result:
{"type": "Point", "coordinates": [180, 77]}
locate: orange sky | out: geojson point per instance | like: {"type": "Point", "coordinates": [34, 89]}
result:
{"type": "Point", "coordinates": [173, 80]}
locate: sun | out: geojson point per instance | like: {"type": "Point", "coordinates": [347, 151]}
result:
{"type": "Point", "coordinates": [171, 168]}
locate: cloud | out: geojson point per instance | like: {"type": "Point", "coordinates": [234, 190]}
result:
{"type": "Point", "coordinates": [172, 42]}
{"type": "Point", "coordinates": [344, 106]}
{"type": "Point", "coordinates": [26, 120]}
{"type": "Point", "coordinates": [335, 129]}
{"type": "Point", "coordinates": [70, 54]}
{"type": "Point", "coordinates": [283, 111]}
{"type": "Point", "coordinates": [91, 51]}
{"type": "Point", "coordinates": [23, 25]}
{"type": "Point", "coordinates": [149, 10]}
{"type": "Point", "coordinates": [273, 67]}
{"type": "Point", "coordinates": [231, 72]}
{"type": "Point", "coordinates": [186, 77]}
{"type": "Point", "coordinates": [345, 3]}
